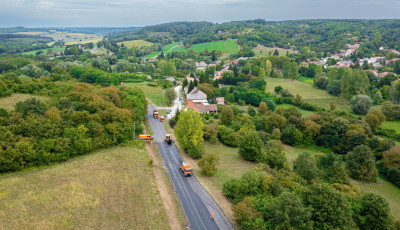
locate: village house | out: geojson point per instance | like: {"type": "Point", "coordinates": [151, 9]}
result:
{"type": "Point", "coordinates": [345, 64]}
{"type": "Point", "coordinates": [171, 79]}
{"type": "Point", "coordinates": [395, 51]}
{"type": "Point", "coordinates": [201, 65]}
{"type": "Point", "coordinates": [382, 75]}
{"type": "Point", "coordinates": [355, 46]}
{"type": "Point", "coordinates": [220, 100]}
{"type": "Point", "coordinates": [197, 100]}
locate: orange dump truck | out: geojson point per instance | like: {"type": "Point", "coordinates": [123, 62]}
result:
{"type": "Point", "coordinates": [162, 119]}
{"type": "Point", "coordinates": [186, 169]}
{"type": "Point", "coordinates": [156, 114]}
{"type": "Point", "coordinates": [145, 137]}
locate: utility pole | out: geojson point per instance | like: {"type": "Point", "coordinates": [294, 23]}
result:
{"type": "Point", "coordinates": [134, 130]}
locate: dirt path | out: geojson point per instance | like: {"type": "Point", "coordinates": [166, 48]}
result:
{"type": "Point", "coordinates": [167, 200]}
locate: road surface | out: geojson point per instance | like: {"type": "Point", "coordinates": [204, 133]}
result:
{"type": "Point", "coordinates": [197, 203]}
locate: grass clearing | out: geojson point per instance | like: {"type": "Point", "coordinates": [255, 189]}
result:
{"type": "Point", "coordinates": [136, 43]}
{"type": "Point", "coordinates": [166, 49]}
{"type": "Point", "coordinates": [309, 94]}
{"type": "Point", "coordinates": [306, 80]}
{"type": "Point", "coordinates": [305, 113]}
{"type": "Point", "coordinates": [262, 51]}
{"type": "Point", "coordinates": [391, 125]}
{"type": "Point", "coordinates": [9, 103]}
{"type": "Point", "coordinates": [110, 189]}
{"type": "Point", "coordinates": [33, 52]}
{"type": "Point", "coordinates": [154, 94]}
{"type": "Point", "coordinates": [387, 190]}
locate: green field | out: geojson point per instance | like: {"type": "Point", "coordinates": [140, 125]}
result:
{"type": "Point", "coordinates": [166, 49]}
{"type": "Point", "coordinates": [8, 103]}
{"type": "Point", "coordinates": [228, 46]}
{"type": "Point", "coordinates": [387, 190]}
{"type": "Point", "coordinates": [391, 125]}
{"type": "Point", "coordinates": [33, 52]}
{"type": "Point", "coordinates": [154, 94]}
{"type": "Point", "coordinates": [262, 51]}
{"type": "Point", "coordinates": [306, 80]}
{"type": "Point", "coordinates": [136, 43]}
{"type": "Point", "coordinates": [109, 189]}
{"type": "Point", "coordinates": [309, 94]}
{"type": "Point", "coordinates": [305, 113]}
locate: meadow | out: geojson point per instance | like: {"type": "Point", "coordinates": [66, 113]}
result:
{"type": "Point", "coordinates": [153, 94]}
{"type": "Point", "coordinates": [262, 51]}
{"type": "Point", "coordinates": [228, 46]}
{"type": "Point", "coordinates": [33, 52]}
{"type": "Point", "coordinates": [166, 49]}
{"type": "Point", "coordinates": [9, 103]}
{"type": "Point", "coordinates": [308, 93]}
{"type": "Point", "coordinates": [136, 43]}
{"type": "Point", "coordinates": [109, 189]}
{"type": "Point", "coordinates": [68, 38]}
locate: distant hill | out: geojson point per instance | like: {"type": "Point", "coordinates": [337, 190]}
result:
{"type": "Point", "coordinates": [103, 31]}
{"type": "Point", "coordinates": [14, 29]}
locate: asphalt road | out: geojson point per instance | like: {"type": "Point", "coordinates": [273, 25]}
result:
{"type": "Point", "coordinates": [197, 203]}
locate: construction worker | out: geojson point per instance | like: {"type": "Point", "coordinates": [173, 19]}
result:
{"type": "Point", "coordinates": [212, 215]}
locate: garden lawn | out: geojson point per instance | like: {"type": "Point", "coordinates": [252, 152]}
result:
{"type": "Point", "coordinates": [9, 103]}
{"type": "Point", "coordinates": [309, 94]}
{"type": "Point", "coordinates": [109, 189]}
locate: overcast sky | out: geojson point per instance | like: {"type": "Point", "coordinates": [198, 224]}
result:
{"type": "Point", "coordinates": [120, 13]}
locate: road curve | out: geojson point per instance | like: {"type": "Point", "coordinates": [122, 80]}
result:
{"type": "Point", "coordinates": [197, 203]}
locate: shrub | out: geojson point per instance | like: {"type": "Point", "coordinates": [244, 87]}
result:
{"type": "Point", "coordinates": [306, 167]}
{"type": "Point", "coordinates": [208, 164]}
{"type": "Point", "coordinates": [360, 104]}
{"type": "Point", "coordinates": [271, 105]}
{"type": "Point", "coordinates": [361, 164]}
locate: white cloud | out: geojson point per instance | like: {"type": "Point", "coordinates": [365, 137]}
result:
{"type": "Point", "coordinates": [45, 5]}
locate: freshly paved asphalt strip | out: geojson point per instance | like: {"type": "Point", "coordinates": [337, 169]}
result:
{"type": "Point", "coordinates": [197, 203]}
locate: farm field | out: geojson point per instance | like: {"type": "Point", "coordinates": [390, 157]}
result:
{"type": "Point", "coordinates": [309, 94]}
{"type": "Point", "coordinates": [8, 103]}
{"type": "Point", "coordinates": [136, 43]}
{"type": "Point", "coordinates": [262, 51]}
{"type": "Point", "coordinates": [33, 52]}
{"type": "Point", "coordinates": [109, 189]}
{"type": "Point", "coordinates": [68, 38]}
{"type": "Point", "coordinates": [154, 94]}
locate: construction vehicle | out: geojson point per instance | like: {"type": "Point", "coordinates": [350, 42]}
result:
{"type": "Point", "coordinates": [145, 137]}
{"type": "Point", "coordinates": [168, 139]}
{"type": "Point", "coordinates": [156, 114]}
{"type": "Point", "coordinates": [186, 169]}
{"type": "Point", "coordinates": [162, 119]}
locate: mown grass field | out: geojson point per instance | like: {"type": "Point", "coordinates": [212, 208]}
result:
{"type": "Point", "coordinates": [8, 103]}
{"type": "Point", "coordinates": [136, 43]}
{"type": "Point", "coordinates": [33, 52]}
{"type": "Point", "coordinates": [309, 94]}
{"type": "Point", "coordinates": [387, 190]}
{"type": "Point", "coordinates": [109, 189]}
{"type": "Point", "coordinates": [154, 94]}
{"type": "Point", "coordinates": [262, 51]}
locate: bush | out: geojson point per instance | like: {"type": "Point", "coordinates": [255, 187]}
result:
{"type": "Point", "coordinates": [228, 136]}
{"type": "Point", "coordinates": [374, 212]}
{"type": "Point", "coordinates": [274, 156]}
{"type": "Point", "coordinates": [271, 105]}
{"type": "Point", "coordinates": [286, 93]}
{"type": "Point", "coordinates": [306, 167]}
{"type": "Point", "coordinates": [360, 104]}
{"type": "Point", "coordinates": [208, 164]}
{"type": "Point", "coordinates": [250, 145]}
{"type": "Point", "coordinates": [361, 164]}
{"type": "Point", "coordinates": [172, 123]}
